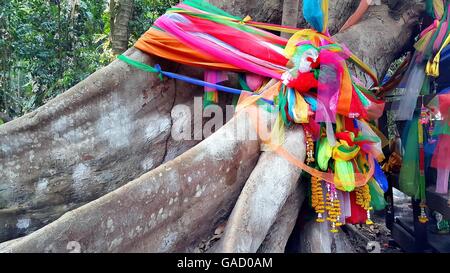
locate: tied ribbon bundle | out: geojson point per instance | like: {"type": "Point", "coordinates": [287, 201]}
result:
{"type": "Point", "coordinates": [305, 79]}
{"type": "Point", "coordinates": [434, 38]}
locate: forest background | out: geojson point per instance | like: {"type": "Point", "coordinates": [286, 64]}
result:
{"type": "Point", "coordinates": [48, 46]}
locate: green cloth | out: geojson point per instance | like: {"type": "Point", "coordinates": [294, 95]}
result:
{"type": "Point", "coordinates": [411, 181]}
{"type": "Point", "coordinates": [410, 173]}
{"type": "Point", "coordinates": [377, 201]}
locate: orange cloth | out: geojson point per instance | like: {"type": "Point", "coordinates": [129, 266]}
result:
{"type": "Point", "coordinates": [159, 43]}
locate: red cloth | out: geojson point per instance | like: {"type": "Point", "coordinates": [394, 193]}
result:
{"type": "Point", "coordinates": [359, 214]}
{"type": "Point", "coordinates": [304, 82]}
{"type": "Point", "coordinates": [345, 136]}
{"type": "Point", "coordinates": [314, 64]}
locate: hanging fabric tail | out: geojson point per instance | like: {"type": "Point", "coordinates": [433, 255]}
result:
{"type": "Point", "coordinates": [359, 214]}
{"type": "Point", "coordinates": [404, 107]}
{"type": "Point", "coordinates": [380, 177]}
{"type": "Point", "coordinates": [432, 67]}
{"type": "Point", "coordinates": [429, 8]}
{"type": "Point", "coordinates": [316, 14]}
{"type": "Point", "coordinates": [211, 94]}
{"type": "Point", "coordinates": [438, 8]}
{"type": "Point", "coordinates": [442, 181]}
{"type": "Point", "coordinates": [346, 210]}
{"type": "Point", "coordinates": [422, 187]}
{"type": "Point", "coordinates": [377, 200]}
{"type": "Point", "coordinates": [409, 173]}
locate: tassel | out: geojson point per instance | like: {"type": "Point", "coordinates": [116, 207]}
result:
{"type": "Point", "coordinates": [423, 215]}
{"type": "Point", "coordinates": [369, 221]}
{"type": "Point", "coordinates": [317, 199]}
{"type": "Point", "coordinates": [333, 207]}
{"type": "Point", "coordinates": [309, 148]}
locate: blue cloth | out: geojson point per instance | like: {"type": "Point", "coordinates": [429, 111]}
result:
{"type": "Point", "coordinates": [312, 102]}
{"type": "Point", "coordinates": [380, 177]}
{"type": "Point", "coordinates": [312, 11]}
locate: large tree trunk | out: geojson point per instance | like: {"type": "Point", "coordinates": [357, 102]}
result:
{"type": "Point", "coordinates": [115, 126]}
{"type": "Point", "coordinates": [121, 12]}
{"type": "Point", "coordinates": [291, 10]}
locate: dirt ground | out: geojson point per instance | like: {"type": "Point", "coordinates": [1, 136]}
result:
{"type": "Point", "coordinates": [378, 234]}
{"type": "Point", "coordinates": [375, 238]}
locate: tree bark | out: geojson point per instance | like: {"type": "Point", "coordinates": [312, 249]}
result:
{"type": "Point", "coordinates": [121, 12]}
{"type": "Point", "coordinates": [262, 199]}
{"type": "Point", "coordinates": [290, 14]}
{"type": "Point", "coordinates": [107, 130]}
{"type": "Point", "coordinates": [169, 209]}
{"type": "Point", "coordinates": [280, 232]}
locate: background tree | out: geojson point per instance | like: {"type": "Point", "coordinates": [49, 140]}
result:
{"type": "Point", "coordinates": [290, 14]}
{"type": "Point", "coordinates": [121, 12]}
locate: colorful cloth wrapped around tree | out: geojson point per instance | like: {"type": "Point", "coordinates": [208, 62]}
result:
{"type": "Point", "coordinates": [305, 80]}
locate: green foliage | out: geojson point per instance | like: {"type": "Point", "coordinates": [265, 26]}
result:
{"type": "Point", "coordinates": [145, 13]}
{"type": "Point", "coordinates": [47, 46]}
